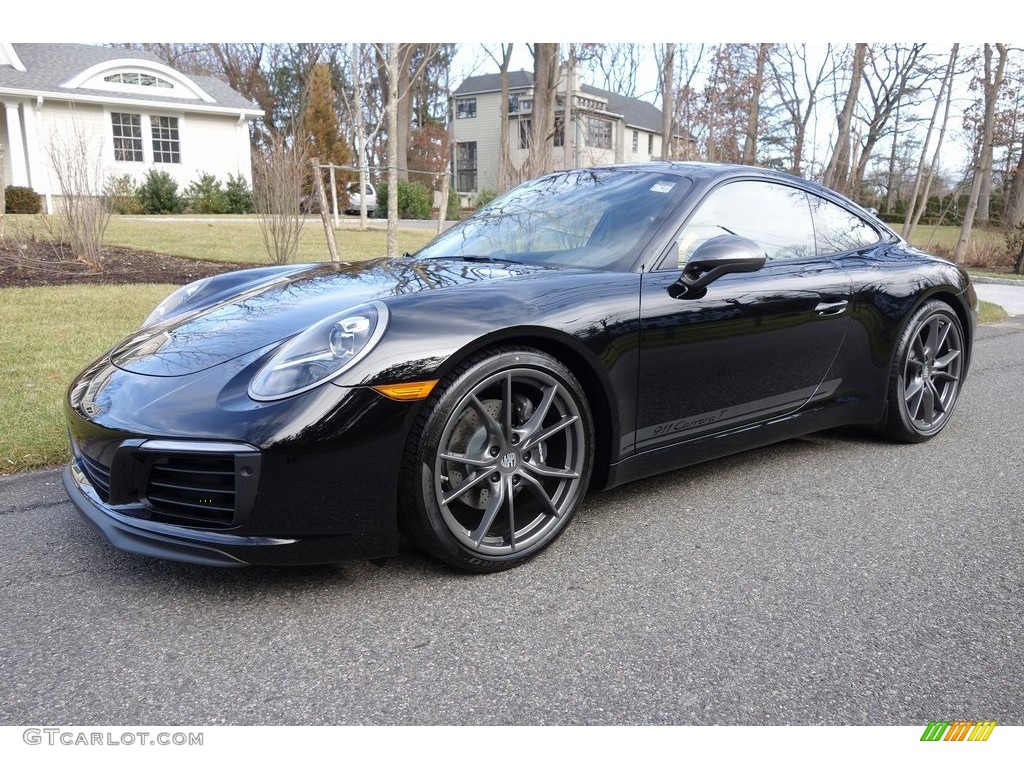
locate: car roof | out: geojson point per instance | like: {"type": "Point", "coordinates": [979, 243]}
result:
{"type": "Point", "coordinates": [706, 173]}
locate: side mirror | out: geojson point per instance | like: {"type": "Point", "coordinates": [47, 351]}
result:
{"type": "Point", "coordinates": [714, 258]}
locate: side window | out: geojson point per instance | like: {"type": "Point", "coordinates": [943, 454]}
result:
{"type": "Point", "coordinates": [838, 230]}
{"type": "Point", "coordinates": [776, 217]}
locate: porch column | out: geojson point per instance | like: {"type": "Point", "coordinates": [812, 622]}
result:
{"type": "Point", "coordinates": [19, 169]}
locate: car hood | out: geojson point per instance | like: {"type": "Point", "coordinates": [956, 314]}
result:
{"type": "Point", "coordinates": [266, 314]}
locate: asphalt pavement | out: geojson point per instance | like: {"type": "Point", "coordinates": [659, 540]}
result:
{"type": "Point", "coordinates": [837, 579]}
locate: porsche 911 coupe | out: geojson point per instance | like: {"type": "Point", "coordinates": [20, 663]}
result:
{"type": "Point", "coordinates": [586, 329]}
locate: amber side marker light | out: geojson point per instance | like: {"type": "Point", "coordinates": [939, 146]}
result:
{"type": "Point", "coordinates": [412, 390]}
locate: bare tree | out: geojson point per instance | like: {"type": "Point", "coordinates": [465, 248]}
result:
{"type": "Point", "coordinates": [617, 65]}
{"type": "Point", "coordinates": [892, 76]}
{"type": "Point", "coordinates": [918, 198]}
{"type": "Point", "coordinates": [683, 108]}
{"type": "Point", "coordinates": [797, 92]}
{"type": "Point", "coordinates": [83, 209]}
{"type": "Point", "coordinates": [754, 111]}
{"type": "Point", "coordinates": [280, 172]}
{"type": "Point", "coordinates": [505, 175]}
{"type": "Point", "coordinates": [991, 85]}
{"type": "Point", "coordinates": [837, 170]}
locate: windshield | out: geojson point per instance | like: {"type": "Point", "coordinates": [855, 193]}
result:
{"type": "Point", "coordinates": [595, 219]}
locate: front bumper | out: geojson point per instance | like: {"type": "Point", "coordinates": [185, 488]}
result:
{"type": "Point", "coordinates": [305, 481]}
{"type": "Point", "coordinates": [163, 540]}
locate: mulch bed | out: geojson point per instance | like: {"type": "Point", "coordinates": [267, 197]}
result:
{"type": "Point", "coordinates": [39, 263]}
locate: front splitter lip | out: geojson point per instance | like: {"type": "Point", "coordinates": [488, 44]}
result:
{"type": "Point", "coordinates": [164, 541]}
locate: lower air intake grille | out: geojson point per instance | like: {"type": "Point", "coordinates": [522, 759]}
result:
{"type": "Point", "coordinates": [193, 488]}
{"type": "Point", "coordinates": [98, 474]}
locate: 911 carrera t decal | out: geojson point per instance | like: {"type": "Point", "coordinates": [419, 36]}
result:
{"type": "Point", "coordinates": [744, 413]}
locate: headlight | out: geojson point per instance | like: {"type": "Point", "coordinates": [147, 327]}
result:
{"type": "Point", "coordinates": [320, 353]}
{"type": "Point", "coordinates": [174, 301]}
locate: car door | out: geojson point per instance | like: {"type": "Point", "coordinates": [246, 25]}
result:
{"type": "Point", "coordinates": [757, 345]}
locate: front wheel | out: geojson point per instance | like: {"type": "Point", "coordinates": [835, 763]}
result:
{"type": "Point", "coordinates": [499, 461]}
{"type": "Point", "coordinates": [927, 371]}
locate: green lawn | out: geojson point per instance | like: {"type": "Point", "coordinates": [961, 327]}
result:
{"type": "Point", "coordinates": [238, 238]}
{"type": "Point", "coordinates": [47, 335]}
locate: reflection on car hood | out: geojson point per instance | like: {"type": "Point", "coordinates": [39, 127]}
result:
{"type": "Point", "coordinates": [281, 308]}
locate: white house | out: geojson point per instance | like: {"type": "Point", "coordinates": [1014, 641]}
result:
{"type": "Point", "coordinates": [606, 128]}
{"type": "Point", "coordinates": [133, 111]}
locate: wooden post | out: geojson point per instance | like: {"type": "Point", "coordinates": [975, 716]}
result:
{"type": "Point", "coordinates": [444, 203]}
{"type": "Point", "coordinates": [318, 181]}
{"type": "Point", "coordinates": [334, 197]}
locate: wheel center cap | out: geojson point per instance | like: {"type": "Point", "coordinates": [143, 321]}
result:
{"type": "Point", "coordinates": [510, 461]}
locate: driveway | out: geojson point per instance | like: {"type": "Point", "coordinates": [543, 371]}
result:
{"type": "Point", "coordinates": [835, 579]}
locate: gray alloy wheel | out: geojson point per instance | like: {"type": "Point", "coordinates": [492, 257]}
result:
{"type": "Point", "coordinates": [504, 461]}
{"type": "Point", "coordinates": [927, 374]}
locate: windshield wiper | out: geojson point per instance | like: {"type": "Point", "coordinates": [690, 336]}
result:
{"type": "Point", "coordinates": [476, 258]}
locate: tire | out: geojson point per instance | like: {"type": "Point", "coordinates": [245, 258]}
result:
{"type": "Point", "coordinates": [498, 462]}
{"type": "Point", "coordinates": [926, 374]}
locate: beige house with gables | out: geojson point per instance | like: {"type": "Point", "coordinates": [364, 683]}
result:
{"type": "Point", "coordinates": [606, 128]}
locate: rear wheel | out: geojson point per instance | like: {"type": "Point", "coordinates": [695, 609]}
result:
{"type": "Point", "coordinates": [499, 461]}
{"type": "Point", "coordinates": [927, 370]}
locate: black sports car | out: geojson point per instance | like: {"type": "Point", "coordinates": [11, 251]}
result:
{"type": "Point", "coordinates": [588, 328]}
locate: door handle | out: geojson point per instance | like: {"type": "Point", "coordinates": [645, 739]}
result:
{"type": "Point", "coordinates": [828, 308]}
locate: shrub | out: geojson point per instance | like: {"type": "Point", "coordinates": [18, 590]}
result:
{"type": "Point", "coordinates": [454, 211]}
{"type": "Point", "coordinates": [122, 192]}
{"type": "Point", "coordinates": [206, 196]}
{"type": "Point", "coordinates": [1015, 248]}
{"type": "Point", "coordinates": [238, 195]}
{"type": "Point", "coordinates": [22, 200]}
{"type": "Point", "coordinates": [159, 193]}
{"type": "Point", "coordinates": [413, 200]}
{"type": "Point", "coordinates": [484, 197]}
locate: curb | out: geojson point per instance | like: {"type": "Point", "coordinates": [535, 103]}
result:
{"type": "Point", "coordinates": [997, 281]}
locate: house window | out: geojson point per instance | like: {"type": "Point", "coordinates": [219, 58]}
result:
{"type": "Point", "coordinates": [524, 133]}
{"type": "Point", "coordinates": [466, 157]}
{"type": "Point", "coordinates": [513, 103]}
{"type": "Point", "coordinates": [559, 131]}
{"type": "Point", "coordinates": [636, 141]}
{"type": "Point", "coordinates": [599, 133]}
{"type": "Point", "coordinates": [127, 137]}
{"type": "Point", "coordinates": [138, 78]}
{"type": "Point", "coordinates": [166, 143]}
{"type": "Point", "coordinates": [465, 108]}
{"type": "Point", "coordinates": [650, 144]}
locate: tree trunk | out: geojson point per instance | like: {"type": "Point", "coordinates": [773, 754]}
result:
{"type": "Point", "coordinates": [542, 126]}
{"type": "Point", "coordinates": [504, 150]}
{"type": "Point", "coordinates": [991, 95]}
{"type": "Point", "coordinates": [404, 111]}
{"type": "Point", "coordinates": [568, 126]}
{"type": "Point", "coordinates": [753, 114]}
{"type": "Point", "coordinates": [982, 215]}
{"type": "Point", "coordinates": [666, 79]}
{"type": "Point", "coordinates": [890, 188]}
{"type": "Point", "coordinates": [1015, 199]}
{"type": "Point", "coordinates": [393, 64]}
{"type": "Point", "coordinates": [838, 168]}
{"type": "Point", "coordinates": [360, 136]}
